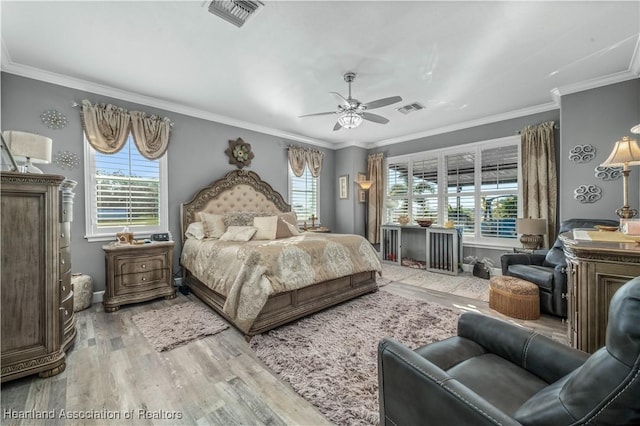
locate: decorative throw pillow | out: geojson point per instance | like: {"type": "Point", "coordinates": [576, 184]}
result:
{"type": "Point", "coordinates": [195, 230]}
{"type": "Point", "coordinates": [267, 227]}
{"type": "Point", "coordinates": [287, 225]}
{"type": "Point", "coordinates": [239, 233]}
{"type": "Point", "coordinates": [213, 225]}
{"type": "Point", "coordinates": [239, 218]}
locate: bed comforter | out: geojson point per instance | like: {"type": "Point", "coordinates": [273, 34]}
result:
{"type": "Point", "coordinates": [247, 273]}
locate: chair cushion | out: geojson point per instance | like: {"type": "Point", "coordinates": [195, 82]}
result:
{"type": "Point", "coordinates": [540, 275]}
{"type": "Point", "coordinates": [495, 379]}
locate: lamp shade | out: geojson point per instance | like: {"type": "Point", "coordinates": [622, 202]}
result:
{"type": "Point", "coordinates": [365, 184]}
{"type": "Point", "coordinates": [350, 120]}
{"type": "Point", "coordinates": [636, 129]}
{"type": "Point", "coordinates": [529, 226]}
{"type": "Point", "coordinates": [28, 145]}
{"type": "Point", "coordinates": [625, 152]}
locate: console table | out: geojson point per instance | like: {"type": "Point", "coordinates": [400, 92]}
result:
{"type": "Point", "coordinates": [598, 264]}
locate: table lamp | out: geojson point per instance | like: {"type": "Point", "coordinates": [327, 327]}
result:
{"type": "Point", "coordinates": [532, 231]}
{"type": "Point", "coordinates": [625, 153]}
{"type": "Point", "coordinates": [30, 147]}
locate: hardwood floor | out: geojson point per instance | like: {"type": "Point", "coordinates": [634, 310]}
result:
{"type": "Point", "coordinates": [113, 373]}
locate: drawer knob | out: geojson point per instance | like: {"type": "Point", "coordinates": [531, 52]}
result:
{"type": "Point", "coordinates": [62, 235]}
{"type": "Point", "coordinates": [64, 211]}
{"type": "Point", "coordinates": [144, 266]}
{"type": "Point", "coordinates": [64, 288]}
{"type": "Point", "coordinates": [62, 261]}
{"type": "Point", "coordinates": [144, 278]}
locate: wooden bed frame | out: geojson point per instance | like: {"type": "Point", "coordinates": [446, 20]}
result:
{"type": "Point", "coordinates": [242, 190]}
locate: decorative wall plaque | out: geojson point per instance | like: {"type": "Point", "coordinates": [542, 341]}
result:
{"type": "Point", "coordinates": [608, 173]}
{"type": "Point", "coordinates": [587, 193]}
{"type": "Point", "coordinates": [239, 153]}
{"type": "Point", "coordinates": [66, 160]}
{"type": "Point", "coordinates": [582, 153]}
{"type": "Point", "coordinates": [53, 119]}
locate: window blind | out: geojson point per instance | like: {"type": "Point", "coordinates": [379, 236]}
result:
{"type": "Point", "coordinates": [304, 195]}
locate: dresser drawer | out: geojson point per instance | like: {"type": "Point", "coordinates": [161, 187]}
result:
{"type": "Point", "coordinates": [65, 260]}
{"type": "Point", "coordinates": [66, 211]}
{"type": "Point", "coordinates": [65, 285]}
{"type": "Point", "coordinates": [66, 309]}
{"type": "Point", "coordinates": [138, 264]}
{"type": "Point", "coordinates": [64, 234]}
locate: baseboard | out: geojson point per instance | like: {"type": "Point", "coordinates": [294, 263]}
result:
{"type": "Point", "coordinates": [469, 268]}
{"type": "Point", "coordinates": [178, 281]}
{"type": "Point", "coordinates": [97, 297]}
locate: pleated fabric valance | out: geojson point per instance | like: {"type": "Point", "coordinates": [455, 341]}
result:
{"type": "Point", "coordinates": [107, 128]}
{"type": "Point", "coordinates": [300, 157]}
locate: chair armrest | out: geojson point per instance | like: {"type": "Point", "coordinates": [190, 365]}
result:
{"type": "Point", "coordinates": [546, 358]}
{"type": "Point", "coordinates": [414, 391]}
{"type": "Point", "coordinates": [520, 259]}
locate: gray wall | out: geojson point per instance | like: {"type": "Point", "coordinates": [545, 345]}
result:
{"type": "Point", "coordinates": [598, 117]}
{"type": "Point", "coordinates": [350, 212]}
{"type": "Point", "coordinates": [196, 157]}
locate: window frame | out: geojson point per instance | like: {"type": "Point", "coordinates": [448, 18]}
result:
{"type": "Point", "coordinates": [290, 178]}
{"type": "Point", "coordinates": [476, 239]}
{"type": "Point", "coordinates": [92, 233]}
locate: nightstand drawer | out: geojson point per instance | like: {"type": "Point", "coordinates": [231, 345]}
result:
{"type": "Point", "coordinates": [139, 281]}
{"type": "Point", "coordinates": [140, 264]}
{"type": "Point", "coordinates": [65, 260]}
{"type": "Point", "coordinates": [64, 234]}
{"type": "Point", "coordinates": [65, 285]}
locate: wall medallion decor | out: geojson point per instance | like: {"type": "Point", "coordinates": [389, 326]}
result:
{"type": "Point", "coordinates": [582, 153]}
{"type": "Point", "coordinates": [608, 173]}
{"type": "Point", "coordinates": [66, 160]}
{"type": "Point", "coordinates": [53, 119]}
{"type": "Point", "coordinates": [239, 153]}
{"type": "Point", "coordinates": [587, 193]}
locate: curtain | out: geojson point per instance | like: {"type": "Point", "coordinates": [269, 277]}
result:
{"type": "Point", "coordinates": [297, 160]}
{"type": "Point", "coordinates": [376, 197]}
{"type": "Point", "coordinates": [540, 186]}
{"type": "Point", "coordinates": [314, 161]}
{"type": "Point", "coordinates": [151, 134]}
{"type": "Point", "coordinates": [106, 126]}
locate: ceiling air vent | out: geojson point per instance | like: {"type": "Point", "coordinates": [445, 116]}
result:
{"type": "Point", "coordinates": [235, 11]}
{"type": "Point", "coordinates": [410, 108]}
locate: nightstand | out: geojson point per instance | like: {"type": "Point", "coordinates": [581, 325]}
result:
{"type": "Point", "coordinates": [137, 272]}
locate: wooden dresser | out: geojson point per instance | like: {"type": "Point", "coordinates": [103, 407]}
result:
{"type": "Point", "coordinates": [137, 272]}
{"type": "Point", "coordinates": [598, 264]}
{"type": "Point", "coordinates": [37, 299]}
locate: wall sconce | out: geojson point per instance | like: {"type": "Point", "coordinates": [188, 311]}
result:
{"type": "Point", "coordinates": [626, 152]}
{"type": "Point", "coordinates": [532, 231]}
{"type": "Point", "coordinates": [33, 148]}
{"type": "Point", "coordinates": [365, 184]}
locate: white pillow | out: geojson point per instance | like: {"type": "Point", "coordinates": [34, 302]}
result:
{"type": "Point", "coordinates": [195, 230]}
{"type": "Point", "coordinates": [267, 227]}
{"type": "Point", "coordinates": [213, 225]}
{"type": "Point", "coordinates": [239, 233]}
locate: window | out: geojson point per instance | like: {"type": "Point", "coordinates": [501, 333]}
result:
{"type": "Point", "coordinates": [303, 196]}
{"type": "Point", "coordinates": [476, 186]}
{"type": "Point", "coordinates": [125, 190]}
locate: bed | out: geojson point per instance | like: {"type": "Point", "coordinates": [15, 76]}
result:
{"type": "Point", "coordinates": [273, 299]}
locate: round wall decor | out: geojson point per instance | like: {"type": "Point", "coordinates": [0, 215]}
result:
{"type": "Point", "coordinates": [239, 153]}
{"type": "Point", "coordinates": [608, 173]}
{"type": "Point", "coordinates": [582, 153]}
{"type": "Point", "coordinates": [66, 160]}
{"type": "Point", "coordinates": [53, 119]}
{"type": "Point", "coordinates": [587, 194]}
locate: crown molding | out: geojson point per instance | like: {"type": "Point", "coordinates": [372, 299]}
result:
{"type": "Point", "coordinates": [634, 66]}
{"type": "Point", "coordinates": [550, 106]}
{"type": "Point", "coordinates": [99, 89]}
{"type": "Point", "coordinates": [593, 83]}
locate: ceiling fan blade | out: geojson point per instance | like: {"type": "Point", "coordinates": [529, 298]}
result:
{"type": "Point", "coordinates": [338, 126]}
{"type": "Point", "coordinates": [342, 98]}
{"type": "Point", "coordinates": [383, 102]}
{"type": "Point", "coordinates": [375, 118]}
{"type": "Point", "coordinates": [317, 113]}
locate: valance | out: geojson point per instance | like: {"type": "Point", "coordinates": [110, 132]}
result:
{"type": "Point", "coordinates": [107, 128]}
{"type": "Point", "coordinates": [299, 157]}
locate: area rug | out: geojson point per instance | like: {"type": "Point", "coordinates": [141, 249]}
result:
{"type": "Point", "coordinates": [177, 325]}
{"type": "Point", "coordinates": [330, 358]}
{"type": "Point", "coordinates": [463, 284]}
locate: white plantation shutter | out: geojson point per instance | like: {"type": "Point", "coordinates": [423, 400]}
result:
{"type": "Point", "coordinates": [303, 196]}
{"type": "Point", "coordinates": [398, 188]}
{"type": "Point", "coordinates": [460, 171]}
{"type": "Point", "coordinates": [125, 190]}
{"type": "Point", "coordinates": [499, 187]}
{"type": "Point", "coordinates": [425, 189]}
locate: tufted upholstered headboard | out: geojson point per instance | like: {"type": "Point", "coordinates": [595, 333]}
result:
{"type": "Point", "coordinates": [238, 191]}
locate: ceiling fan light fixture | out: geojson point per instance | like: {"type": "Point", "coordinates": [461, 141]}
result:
{"type": "Point", "coordinates": [350, 120]}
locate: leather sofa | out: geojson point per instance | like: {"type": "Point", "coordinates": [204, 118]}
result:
{"type": "Point", "coordinates": [547, 268]}
{"type": "Point", "coordinates": [494, 372]}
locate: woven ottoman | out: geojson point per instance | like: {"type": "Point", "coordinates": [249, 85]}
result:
{"type": "Point", "coordinates": [514, 297]}
{"type": "Point", "coordinates": [82, 291]}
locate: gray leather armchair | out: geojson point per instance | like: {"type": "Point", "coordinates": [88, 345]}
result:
{"type": "Point", "coordinates": [546, 268]}
{"type": "Point", "coordinates": [494, 373]}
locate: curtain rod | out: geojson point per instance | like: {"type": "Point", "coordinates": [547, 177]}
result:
{"type": "Point", "coordinates": [74, 104]}
{"type": "Point", "coordinates": [555, 127]}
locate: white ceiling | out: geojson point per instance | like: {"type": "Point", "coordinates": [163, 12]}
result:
{"type": "Point", "coordinates": [467, 62]}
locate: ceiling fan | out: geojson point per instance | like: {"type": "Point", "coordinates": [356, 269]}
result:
{"type": "Point", "coordinates": [351, 111]}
